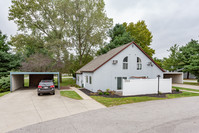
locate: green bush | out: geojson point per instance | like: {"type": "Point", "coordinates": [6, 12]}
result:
{"type": "Point", "coordinates": [177, 89]}
{"type": "Point", "coordinates": [106, 93]}
{"type": "Point", "coordinates": [108, 90]}
{"type": "Point", "coordinates": [4, 84]}
{"type": "Point", "coordinates": [100, 93]}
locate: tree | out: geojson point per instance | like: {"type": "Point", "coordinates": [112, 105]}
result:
{"type": "Point", "coordinates": [89, 25]}
{"type": "Point", "coordinates": [8, 61]}
{"type": "Point", "coordinates": [38, 63]}
{"type": "Point", "coordinates": [141, 35]}
{"type": "Point", "coordinates": [172, 62]}
{"type": "Point", "coordinates": [158, 61]}
{"type": "Point", "coordinates": [62, 24]}
{"type": "Point", "coordinates": [119, 36]}
{"type": "Point", "coordinates": [28, 45]}
{"type": "Point", "coordinates": [189, 56]}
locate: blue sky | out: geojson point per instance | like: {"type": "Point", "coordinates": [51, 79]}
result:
{"type": "Point", "coordinates": [170, 21]}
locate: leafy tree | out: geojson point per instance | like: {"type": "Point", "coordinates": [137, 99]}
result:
{"type": "Point", "coordinates": [172, 62]}
{"type": "Point", "coordinates": [119, 36]}
{"type": "Point", "coordinates": [80, 25]}
{"type": "Point", "coordinates": [189, 56]}
{"type": "Point", "coordinates": [8, 61]}
{"type": "Point", "coordinates": [28, 45]}
{"type": "Point", "coordinates": [141, 35]}
{"type": "Point", "coordinates": [158, 61]}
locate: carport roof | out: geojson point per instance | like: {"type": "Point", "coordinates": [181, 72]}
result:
{"type": "Point", "coordinates": [34, 73]}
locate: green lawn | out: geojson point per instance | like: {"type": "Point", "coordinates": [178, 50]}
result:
{"type": "Point", "coordinates": [4, 93]}
{"type": "Point", "coordinates": [71, 94]}
{"type": "Point", "coordinates": [191, 83]}
{"type": "Point", "coordinates": [26, 82]}
{"type": "Point", "coordinates": [118, 101]}
{"type": "Point", "coordinates": [180, 88]}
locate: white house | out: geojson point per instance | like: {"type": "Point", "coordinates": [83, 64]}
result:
{"type": "Point", "coordinates": [124, 62]}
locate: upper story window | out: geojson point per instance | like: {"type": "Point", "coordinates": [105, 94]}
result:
{"type": "Point", "coordinates": [125, 63]}
{"type": "Point", "coordinates": [139, 64]}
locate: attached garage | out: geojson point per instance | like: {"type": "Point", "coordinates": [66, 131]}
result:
{"type": "Point", "coordinates": [17, 79]}
{"type": "Point", "coordinates": [177, 77]}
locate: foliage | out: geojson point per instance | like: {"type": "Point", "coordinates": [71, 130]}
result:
{"type": "Point", "coordinates": [63, 24]}
{"type": "Point", "coordinates": [38, 63]}
{"type": "Point", "coordinates": [177, 89]}
{"type": "Point", "coordinates": [189, 55]}
{"type": "Point", "coordinates": [28, 44]}
{"type": "Point", "coordinates": [119, 36]}
{"type": "Point", "coordinates": [141, 35]}
{"type": "Point", "coordinates": [172, 62]}
{"type": "Point", "coordinates": [100, 93]}
{"type": "Point", "coordinates": [158, 61]}
{"type": "Point", "coordinates": [4, 93]}
{"type": "Point", "coordinates": [8, 61]}
{"type": "Point", "coordinates": [180, 88]}
{"type": "Point", "coordinates": [4, 84]}
{"type": "Point", "coordinates": [70, 94]}
{"type": "Point", "coordinates": [106, 93]}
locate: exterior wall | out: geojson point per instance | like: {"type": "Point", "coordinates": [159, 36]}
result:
{"type": "Point", "coordinates": [176, 78]}
{"type": "Point", "coordinates": [17, 81]}
{"type": "Point", "coordinates": [79, 79]}
{"type": "Point", "coordinates": [34, 79]}
{"type": "Point", "coordinates": [106, 76]}
{"type": "Point", "coordinates": [146, 86]}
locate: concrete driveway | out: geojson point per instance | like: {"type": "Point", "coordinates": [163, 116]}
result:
{"type": "Point", "coordinates": [180, 115]}
{"type": "Point", "coordinates": [24, 107]}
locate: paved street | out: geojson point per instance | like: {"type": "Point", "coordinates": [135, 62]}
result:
{"type": "Point", "coordinates": [23, 107]}
{"type": "Point", "coordinates": [180, 115]}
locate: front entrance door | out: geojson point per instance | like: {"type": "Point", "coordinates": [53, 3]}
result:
{"type": "Point", "coordinates": [119, 82]}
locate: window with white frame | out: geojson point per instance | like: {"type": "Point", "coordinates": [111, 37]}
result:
{"type": "Point", "coordinates": [125, 63]}
{"type": "Point", "coordinates": [139, 64]}
{"type": "Point", "coordinates": [90, 79]}
{"type": "Point", "coordinates": [86, 79]}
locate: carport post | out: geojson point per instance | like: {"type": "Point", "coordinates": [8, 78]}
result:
{"type": "Point", "coordinates": [58, 81]}
{"type": "Point", "coordinates": [10, 81]}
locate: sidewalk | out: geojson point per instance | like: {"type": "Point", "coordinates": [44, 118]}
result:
{"type": "Point", "coordinates": [186, 86]}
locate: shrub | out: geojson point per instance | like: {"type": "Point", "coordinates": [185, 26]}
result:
{"type": "Point", "coordinates": [100, 93]}
{"type": "Point", "coordinates": [108, 90]}
{"type": "Point", "coordinates": [106, 93]}
{"type": "Point", "coordinates": [177, 90]}
{"type": "Point", "coordinates": [4, 84]}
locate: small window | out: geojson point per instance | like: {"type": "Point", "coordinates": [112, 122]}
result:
{"type": "Point", "coordinates": [125, 63]}
{"type": "Point", "coordinates": [86, 79]}
{"type": "Point", "coordinates": [78, 78]}
{"type": "Point", "coordinates": [139, 64]}
{"type": "Point", "coordinates": [90, 80]}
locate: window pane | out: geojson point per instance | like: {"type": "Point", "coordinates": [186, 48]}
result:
{"type": "Point", "coordinates": [90, 79]}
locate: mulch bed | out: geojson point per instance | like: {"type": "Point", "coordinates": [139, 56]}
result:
{"type": "Point", "coordinates": [163, 95]}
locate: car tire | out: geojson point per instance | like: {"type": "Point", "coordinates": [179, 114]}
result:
{"type": "Point", "coordinates": [53, 93]}
{"type": "Point", "coordinates": [38, 94]}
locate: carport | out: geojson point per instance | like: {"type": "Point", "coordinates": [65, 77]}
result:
{"type": "Point", "coordinates": [17, 79]}
{"type": "Point", "coordinates": [177, 77]}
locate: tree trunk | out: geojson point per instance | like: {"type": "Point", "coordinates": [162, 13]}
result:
{"type": "Point", "coordinates": [187, 75]}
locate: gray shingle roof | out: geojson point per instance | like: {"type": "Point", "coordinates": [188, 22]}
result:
{"type": "Point", "coordinates": [102, 59]}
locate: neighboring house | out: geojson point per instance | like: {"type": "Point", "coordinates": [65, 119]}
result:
{"type": "Point", "coordinates": [124, 62]}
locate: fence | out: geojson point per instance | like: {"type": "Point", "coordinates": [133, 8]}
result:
{"type": "Point", "coordinates": [146, 86]}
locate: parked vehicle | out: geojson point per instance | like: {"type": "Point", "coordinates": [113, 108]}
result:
{"type": "Point", "coordinates": [46, 86]}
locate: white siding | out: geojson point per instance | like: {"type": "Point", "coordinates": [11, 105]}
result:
{"type": "Point", "coordinates": [106, 76]}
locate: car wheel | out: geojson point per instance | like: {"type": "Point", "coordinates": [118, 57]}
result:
{"type": "Point", "coordinates": [53, 93]}
{"type": "Point", "coordinates": [38, 94]}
